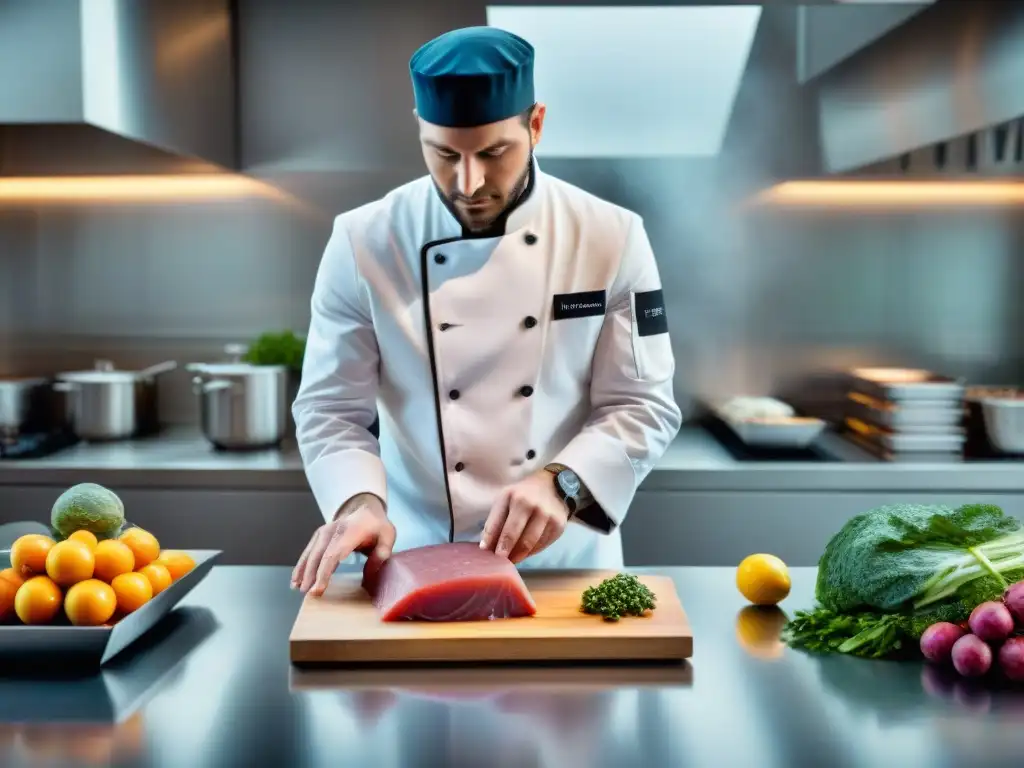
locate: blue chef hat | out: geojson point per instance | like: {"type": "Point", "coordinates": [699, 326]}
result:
{"type": "Point", "coordinates": [472, 76]}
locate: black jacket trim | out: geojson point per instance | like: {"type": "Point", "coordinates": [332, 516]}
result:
{"type": "Point", "coordinates": [428, 326]}
{"type": "Point", "coordinates": [496, 230]}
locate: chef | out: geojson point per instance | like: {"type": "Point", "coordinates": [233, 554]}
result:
{"type": "Point", "coordinates": [507, 328]}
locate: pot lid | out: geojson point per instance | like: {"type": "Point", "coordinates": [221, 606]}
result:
{"type": "Point", "coordinates": [234, 369]}
{"type": "Point", "coordinates": [98, 377]}
{"type": "Point", "coordinates": [105, 372]}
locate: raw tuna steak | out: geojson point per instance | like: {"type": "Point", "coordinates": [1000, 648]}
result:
{"type": "Point", "coordinates": [447, 582]}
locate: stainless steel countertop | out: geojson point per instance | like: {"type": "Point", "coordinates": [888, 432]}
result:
{"type": "Point", "coordinates": [181, 457]}
{"type": "Point", "coordinates": [212, 686]}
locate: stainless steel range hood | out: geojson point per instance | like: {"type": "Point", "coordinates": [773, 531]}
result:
{"type": "Point", "coordinates": [116, 86]}
{"type": "Point", "coordinates": [941, 94]}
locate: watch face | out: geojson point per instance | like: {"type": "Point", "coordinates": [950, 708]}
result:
{"type": "Point", "coordinates": [569, 483]}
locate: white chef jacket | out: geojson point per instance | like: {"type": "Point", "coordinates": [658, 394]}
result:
{"type": "Point", "coordinates": [486, 358]}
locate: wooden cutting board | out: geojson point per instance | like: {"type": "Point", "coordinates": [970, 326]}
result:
{"type": "Point", "coordinates": [344, 627]}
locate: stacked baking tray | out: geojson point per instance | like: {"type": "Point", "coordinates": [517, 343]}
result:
{"type": "Point", "coordinates": [906, 415]}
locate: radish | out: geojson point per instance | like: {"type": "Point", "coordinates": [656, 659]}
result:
{"type": "Point", "coordinates": [1013, 598]}
{"type": "Point", "coordinates": [1011, 658]}
{"type": "Point", "coordinates": [971, 656]}
{"type": "Point", "coordinates": [991, 621]}
{"type": "Point", "coordinates": [937, 641]}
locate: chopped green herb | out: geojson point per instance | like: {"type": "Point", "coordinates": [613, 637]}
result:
{"type": "Point", "coordinates": [618, 596]}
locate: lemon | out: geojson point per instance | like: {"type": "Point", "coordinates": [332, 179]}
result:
{"type": "Point", "coordinates": [763, 579]}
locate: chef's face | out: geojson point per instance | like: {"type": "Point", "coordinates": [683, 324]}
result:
{"type": "Point", "coordinates": [482, 170]}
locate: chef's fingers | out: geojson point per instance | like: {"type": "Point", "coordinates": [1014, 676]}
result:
{"type": "Point", "coordinates": [532, 534]}
{"type": "Point", "coordinates": [300, 566]}
{"type": "Point", "coordinates": [316, 553]}
{"type": "Point", "coordinates": [343, 543]}
{"type": "Point", "coordinates": [495, 521]}
{"type": "Point", "coordinates": [519, 513]}
{"type": "Point", "coordinates": [385, 541]}
{"type": "Point", "coordinates": [553, 530]}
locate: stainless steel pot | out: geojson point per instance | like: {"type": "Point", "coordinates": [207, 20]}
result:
{"type": "Point", "coordinates": [108, 404]}
{"type": "Point", "coordinates": [242, 406]}
{"type": "Point", "coordinates": [26, 405]}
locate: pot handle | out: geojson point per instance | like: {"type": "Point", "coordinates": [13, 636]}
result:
{"type": "Point", "coordinates": [155, 370]}
{"type": "Point", "coordinates": [202, 386]}
{"type": "Point", "coordinates": [65, 386]}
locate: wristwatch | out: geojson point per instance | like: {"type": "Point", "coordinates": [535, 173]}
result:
{"type": "Point", "coordinates": [567, 486]}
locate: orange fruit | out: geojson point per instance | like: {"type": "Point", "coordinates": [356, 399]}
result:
{"type": "Point", "coordinates": [113, 558]}
{"type": "Point", "coordinates": [158, 575]}
{"type": "Point", "coordinates": [90, 603]}
{"type": "Point", "coordinates": [86, 537]}
{"type": "Point", "coordinates": [28, 553]}
{"type": "Point", "coordinates": [10, 581]}
{"type": "Point", "coordinates": [178, 563]}
{"type": "Point", "coordinates": [38, 600]}
{"type": "Point", "coordinates": [143, 545]}
{"type": "Point", "coordinates": [69, 562]}
{"type": "Point", "coordinates": [133, 591]}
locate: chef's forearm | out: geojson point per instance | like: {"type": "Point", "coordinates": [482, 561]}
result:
{"type": "Point", "coordinates": [360, 500]}
{"type": "Point", "coordinates": [612, 466]}
{"type": "Point", "coordinates": [339, 476]}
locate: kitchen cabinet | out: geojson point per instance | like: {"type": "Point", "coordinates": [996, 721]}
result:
{"type": "Point", "coordinates": [721, 528]}
{"type": "Point", "coordinates": [262, 527]}
{"type": "Point", "coordinates": [707, 528]}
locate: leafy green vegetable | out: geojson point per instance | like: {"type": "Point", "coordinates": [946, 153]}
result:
{"type": "Point", "coordinates": [280, 348]}
{"type": "Point", "coordinates": [618, 596]}
{"type": "Point", "coordinates": [891, 572]}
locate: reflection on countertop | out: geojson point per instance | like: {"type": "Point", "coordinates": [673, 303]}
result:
{"type": "Point", "coordinates": [696, 460]}
{"type": "Point", "coordinates": [68, 716]}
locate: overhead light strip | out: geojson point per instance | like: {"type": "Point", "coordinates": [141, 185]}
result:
{"type": "Point", "coordinates": [888, 194]}
{"type": "Point", "coordinates": [134, 189]}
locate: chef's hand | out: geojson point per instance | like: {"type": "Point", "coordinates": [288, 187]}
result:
{"type": "Point", "coordinates": [526, 518]}
{"type": "Point", "coordinates": [361, 525]}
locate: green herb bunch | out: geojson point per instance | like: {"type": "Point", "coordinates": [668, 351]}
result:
{"type": "Point", "coordinates": [618, 596]}
{"type": "Point", "coordinates": [280, 348]}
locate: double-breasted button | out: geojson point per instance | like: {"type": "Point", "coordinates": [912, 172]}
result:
{"type": "Point", "coordinates": [530, 321]}
{"type": "Point", "coordinates": [440, 258]}
{"type": "Point", "coordinates": [459, 467]}
{"type": "Point", "coordinates": [526, 390]}
{"type": "Point", "coordinates": [529, 238]}
{"type": "Point", "coordinates": [454, 394]}
{"type": "Point", "coordinates": [531, 454]}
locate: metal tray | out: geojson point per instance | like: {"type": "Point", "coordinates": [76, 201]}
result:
{"type": "Point", "coordinates": [897, 384]}
{"type": "Point", "coordinates": [95, 646]}
{"type": "Point", "coordinates": [918, 415]}
{"type": "Point", "coordinates": [904, 442]}
{"type": "Point", "coordinates": [904, 457]}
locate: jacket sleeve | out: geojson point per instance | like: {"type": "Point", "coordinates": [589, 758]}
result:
{"type": "Point", "coordinates": [634, 415]}
{"type": "Point", "coordinates": [337, 399]}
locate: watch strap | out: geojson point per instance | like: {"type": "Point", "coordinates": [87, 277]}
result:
{"type": "Point", "coordinates": [571, 503]}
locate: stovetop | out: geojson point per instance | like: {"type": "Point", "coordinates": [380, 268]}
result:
{"type": "Point", "coordinates": [35, 445]}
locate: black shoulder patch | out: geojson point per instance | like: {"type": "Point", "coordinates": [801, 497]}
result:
{"type": "Point", "coordinates": [650, 313]}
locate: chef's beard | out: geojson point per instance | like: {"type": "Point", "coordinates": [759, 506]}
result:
{"type": "Point", "coordinates": [515, 197]}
